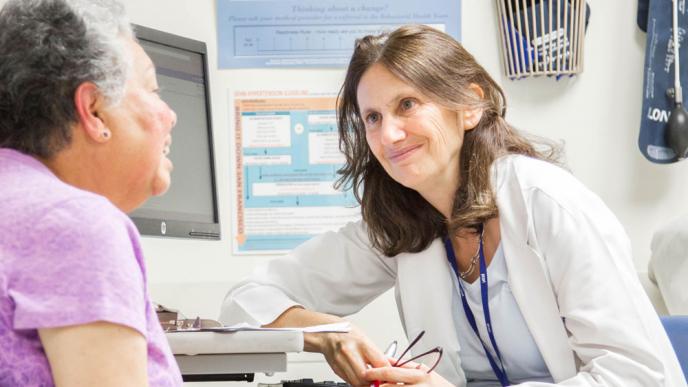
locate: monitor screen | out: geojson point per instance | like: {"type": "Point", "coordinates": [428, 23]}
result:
{"type": "Point", "coordinates": [189, 208]}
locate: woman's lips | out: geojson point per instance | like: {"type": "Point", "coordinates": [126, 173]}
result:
{"type": "Point", "coordinates": [403, 153]}
{"type": "Point", "coordinates": [166, 147]}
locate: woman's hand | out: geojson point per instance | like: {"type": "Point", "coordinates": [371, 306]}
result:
{"type": "Point", "coordinates": [410, 374]}
{"type": "Point", "coordinates": [349, 354]}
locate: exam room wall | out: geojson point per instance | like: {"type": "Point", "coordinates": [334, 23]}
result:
{"type": "Point", "coordinates": [596, 114]}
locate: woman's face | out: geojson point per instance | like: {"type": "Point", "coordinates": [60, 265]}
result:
{"type": "Point", "coordinates": [141, 126]}
{"type": "Point", "coordinates": [417, 141]}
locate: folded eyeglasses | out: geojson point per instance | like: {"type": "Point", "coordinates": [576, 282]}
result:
{"type": "Point", "coordinates": [430, 358]}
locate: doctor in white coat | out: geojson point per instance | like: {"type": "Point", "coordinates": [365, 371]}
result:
{"type": "Point", "coordinates": [474, 226]}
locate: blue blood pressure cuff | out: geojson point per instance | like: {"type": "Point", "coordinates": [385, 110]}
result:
{"type": "Point", "coordinates": [659, 77]}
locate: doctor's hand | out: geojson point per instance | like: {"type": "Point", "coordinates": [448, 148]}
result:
{"type": "Point", "coordinates": [410, 374]}
{"type": "Point", "coordinates": [349, 354]}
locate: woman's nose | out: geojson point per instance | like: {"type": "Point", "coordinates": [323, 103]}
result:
{"type": "Point", "coordinates": [393, 131]}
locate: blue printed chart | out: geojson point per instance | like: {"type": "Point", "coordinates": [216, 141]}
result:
{"type": "Point", "coordinates": [287, 161]}
{"type": "Point", "coordinates": [291, 33]}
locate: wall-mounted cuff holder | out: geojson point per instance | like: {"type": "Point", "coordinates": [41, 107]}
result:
{"type": "Point", "coordinates": [542, 37]}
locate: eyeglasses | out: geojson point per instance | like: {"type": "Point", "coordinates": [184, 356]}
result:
{"type": "Point", "coordinates": [431, 358]}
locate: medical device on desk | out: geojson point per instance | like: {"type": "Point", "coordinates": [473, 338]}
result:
{"type": "Point", "coordinates": [205, 354]}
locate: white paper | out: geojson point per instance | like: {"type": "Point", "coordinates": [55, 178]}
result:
{"type": "Point", "coordinates": [342, 327]}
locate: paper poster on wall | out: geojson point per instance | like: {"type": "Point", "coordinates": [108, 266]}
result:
{"type": "Point", "coordinates": [287, 157]}
{"type": "Point", "coordinates": [302, 33]}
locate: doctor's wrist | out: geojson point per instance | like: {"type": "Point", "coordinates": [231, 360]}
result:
{"type": "Point", "coordinates": [323, 342]}
{"type": "Point", "coordinates": [315, 342]}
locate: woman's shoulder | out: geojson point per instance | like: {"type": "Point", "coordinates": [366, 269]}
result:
{"type": "Point", "coordinates": [47, 208]}
{"type": "Point", "coordinates": [538, 186]}
{"type": "Point", "coordinates": [526, 166]}
{"type": "Point", "coordinates": [86, 215]}
{"type": "Point", "coordinates": [527, 176]}
{"type": "Point", "coordinates": [532, 173]}
{"type": "Point", "coordinates": [36, 196]}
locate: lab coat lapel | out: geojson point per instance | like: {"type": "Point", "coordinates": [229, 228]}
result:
{"type": "Point", "coordinates": [531, 290]}
{"type": "Point", "coordinates": [424, 295]}
{"type": "Point", "coordinates": [529, 282]}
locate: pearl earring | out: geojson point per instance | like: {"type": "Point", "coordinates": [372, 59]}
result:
{"type": "Point", "coordinates": [106, 134]}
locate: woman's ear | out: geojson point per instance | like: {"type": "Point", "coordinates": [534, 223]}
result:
{"type": "Point", "coordinates": [471, 117]}
{"type": "Point", "coordinates": [88, 100]}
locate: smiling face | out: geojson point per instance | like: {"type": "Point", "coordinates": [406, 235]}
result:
{"type": "Point", "coordinates": [141, 127]}
{"type": "Point", "coordinates": [416, 141]}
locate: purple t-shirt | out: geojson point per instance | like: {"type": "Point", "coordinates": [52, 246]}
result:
{"type": "Point", "coordinates": [67, 257]}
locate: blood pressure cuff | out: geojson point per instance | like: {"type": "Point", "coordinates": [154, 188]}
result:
{"type": "Point", "coordinates": [659, 77]}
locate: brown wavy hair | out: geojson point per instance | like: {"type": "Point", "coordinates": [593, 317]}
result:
{"type": "Point", "coordinates": [398, 218]}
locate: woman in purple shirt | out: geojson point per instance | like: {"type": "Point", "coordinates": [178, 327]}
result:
{"type": "Point", "coordinates": [83, 140]}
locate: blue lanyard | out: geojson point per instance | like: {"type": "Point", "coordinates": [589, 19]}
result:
{"type": "Point", "coordinates": [499, 370]}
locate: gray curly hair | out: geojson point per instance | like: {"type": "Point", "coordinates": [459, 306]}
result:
{"type": "Point", "coordinates": [48, 48]}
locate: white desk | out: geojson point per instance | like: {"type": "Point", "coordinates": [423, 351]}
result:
{"type": "Point", "coordinates": [210, 356]}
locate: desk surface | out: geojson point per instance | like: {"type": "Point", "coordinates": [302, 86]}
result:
{"type": "Point", "coordinates": [226, 354]}
{"type": "Point", "coordinates": [194, 343]}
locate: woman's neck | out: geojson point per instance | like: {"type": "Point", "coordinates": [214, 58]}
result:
{"type": "Point", "coordinates": [467, 242]}
{"type": "Point", "coordinates": [441, 195]}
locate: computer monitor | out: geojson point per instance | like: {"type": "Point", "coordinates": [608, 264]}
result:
{"type": "Point", "coordinates": [189, 209]}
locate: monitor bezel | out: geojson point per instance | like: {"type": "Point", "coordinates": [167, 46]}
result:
{"type": "Point", "coordinates": [173, 227]}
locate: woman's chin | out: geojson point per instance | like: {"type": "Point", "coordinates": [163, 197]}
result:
{"type": "Point", "coordinates": [163, 178]}
{"type": "Point", "coordinates": [160, 187]}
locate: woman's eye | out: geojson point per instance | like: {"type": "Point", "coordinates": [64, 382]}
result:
{"type": "Point", "coordinates": [408, 104]}
{"type": "Point", "coordinates": [372, 118]}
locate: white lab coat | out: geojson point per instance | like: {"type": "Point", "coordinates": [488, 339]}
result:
{"type": "Point", "coordinates": [570, 271]}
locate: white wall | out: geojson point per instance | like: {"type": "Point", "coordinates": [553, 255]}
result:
{"type": "Point", "coordinates": [597, 114]}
